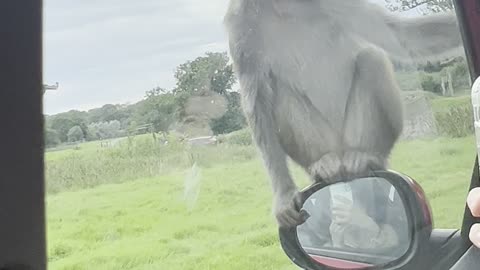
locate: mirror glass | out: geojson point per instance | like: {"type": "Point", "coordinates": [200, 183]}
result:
{"type": "Point", "coordinates": [355, 225]}
{"type": "Point", "coordinates": [476, 111]}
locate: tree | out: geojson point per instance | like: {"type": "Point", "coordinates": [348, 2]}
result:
{"type": "Point", "coordinates": [460, 74]}
{"type": "Point", "coordinates": [430, 5]}
{"type": "Point", "coordinates": [109, 112]}
{"type": "Point", "coordinates": [62, 126]}
{"type": "Point", "coordinates": [159, 108]}
{"type": "Point", "coordinates": [206, 73]}
{"type": "Point", "coordinates": [63, 122]}
{"type": "Point", "coordinates": [209, 73]}
{"type": "Point", "coordinates": [75, 134]}
{"type": "Point", "coordinates": [430, 67]}
{"type": "Point", "coordinates": [233, 119]}
{"type": "Point", "coordinates": [223, 79]}
{"type": "Point", "coordinates": [51, 138]}
{"type": "Point", "coordinates": [93, 132]}
{"type": "Point", "coordinates": [104, 130]}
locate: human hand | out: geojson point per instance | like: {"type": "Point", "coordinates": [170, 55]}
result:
{"type": "Point", "coordinates": [351, 226]}
{"type": "Point", "coordinates": [345, 212]}
{"type": "Point", "coordinates": [473, 202]}
{"type": "Point", "coordinates": [342, 210]}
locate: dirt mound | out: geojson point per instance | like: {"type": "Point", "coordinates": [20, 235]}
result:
{"type": "Point", "coordinates": [199, 111]}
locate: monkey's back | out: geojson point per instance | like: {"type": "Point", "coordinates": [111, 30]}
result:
{"type": "Point", "coordinates": [309, 66]}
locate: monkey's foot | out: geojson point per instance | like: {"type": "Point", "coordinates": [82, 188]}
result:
{"type": "Point", "coordinates": [361, 163]}
{"type": "Point", "coordinates": [327, 168]}
{"type": "Point", "coordinates": [287, 210]}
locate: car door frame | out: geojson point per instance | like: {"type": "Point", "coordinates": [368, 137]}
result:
{"type": "Point", "coordinates": [22, 207]}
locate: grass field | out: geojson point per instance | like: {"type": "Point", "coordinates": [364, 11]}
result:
{"type": "Point", "coordinates": [138, 206]}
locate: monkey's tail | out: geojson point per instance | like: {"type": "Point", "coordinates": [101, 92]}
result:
{"type": "Point", "coordinates": [432, 37]}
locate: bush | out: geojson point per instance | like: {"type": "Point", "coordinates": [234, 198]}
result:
{"type": "Point", "coordinates": [430, 83]}
{"type": "Point", "coordinates": [104, 130]}
{"type": "Point", "coordinates": [456, 122]}
{"type": "Point", "coordinates": [460, 75]}
{"type": "Point", "coordinates": [75, 134]}
{"type": "Point", "coordinates": [240, 137]}
{"type": "Point", "coordinates": [432, 67]}
{"type": "Point", "coordinates": [52, 138]}
{"type": "Point", "coordinates": [134, 158]}
{"type": "Point", "coordinates": [233, 119]}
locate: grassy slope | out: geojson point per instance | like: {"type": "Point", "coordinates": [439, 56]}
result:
{"type": "Point", "coordinates": [445, 104]}
{"type": "Point", "coordinates": [145, 224]}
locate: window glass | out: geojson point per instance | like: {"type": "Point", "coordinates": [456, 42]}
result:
{"type": "Point", "coordinates": [150, 163]}
{"type": "Point", "coordinates": [438, 144]}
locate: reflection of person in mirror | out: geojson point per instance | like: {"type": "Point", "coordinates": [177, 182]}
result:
{"type": "Point", "coordinates": [315, 231]}
{"type": "Point", "coordinates": [374, 219]}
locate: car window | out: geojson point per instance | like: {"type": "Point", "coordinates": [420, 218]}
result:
{"type": "Point", "coordinates": [437, 147]}
{"type": "Point", "coordinates": [151, 162]}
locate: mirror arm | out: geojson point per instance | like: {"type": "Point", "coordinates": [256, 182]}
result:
{"type": "Point", "coordinates": [449, 247]}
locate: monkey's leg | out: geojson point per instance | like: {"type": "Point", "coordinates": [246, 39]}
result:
{"type": "Point", "coordinates": [257, 103]}
{"type": "Point", "coordinates": [374, 118]}
{"type": "Point", "coordinates": [308, 137]}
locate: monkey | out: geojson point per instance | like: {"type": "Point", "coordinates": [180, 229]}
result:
{"type": "Point", "coordinates": [317, 84]}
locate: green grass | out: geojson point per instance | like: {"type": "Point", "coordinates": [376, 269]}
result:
{"type": "Point", "coordinates": [60, 153]}
{"type": "Point", "coordinates": [443, 167]}
{"type": "Point", "coordinates": [408, 81]}
{"type": "Point", "coordinates": [113, 222]}
{"type": "Point", "coordinates": [145, 224]}
{"type": "Point", "coordinates": [443, 104]}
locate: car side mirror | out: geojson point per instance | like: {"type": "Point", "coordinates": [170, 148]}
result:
{"type": "Point", "coordinates": [378, 222]}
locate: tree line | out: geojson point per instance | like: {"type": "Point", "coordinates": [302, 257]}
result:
{"type": "Point", "coordinates": [158, 110]}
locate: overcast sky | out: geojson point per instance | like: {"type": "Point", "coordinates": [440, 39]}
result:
{"type": "Point", "coordinates": [112, 51]}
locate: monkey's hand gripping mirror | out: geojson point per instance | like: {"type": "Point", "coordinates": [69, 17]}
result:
{"type": "Point", "coordinates": [378, 222]}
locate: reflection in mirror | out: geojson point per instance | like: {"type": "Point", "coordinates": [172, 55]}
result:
{"type": "Point", "coordinates": [355, 225]}
{"type": "Point", "coordinates": [476, 111]}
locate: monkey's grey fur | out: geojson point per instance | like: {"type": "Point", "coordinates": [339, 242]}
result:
{"type": "Point", "coordinates": [317, 85]}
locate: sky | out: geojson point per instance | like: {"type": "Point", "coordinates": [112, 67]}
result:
{"type": "Point", "coordinates": [113, 51]}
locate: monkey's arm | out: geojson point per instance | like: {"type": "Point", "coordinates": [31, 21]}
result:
{"type": "Point", "coordinates": [258, 107]}
{"type": "Point", "coordinates": [254, 74]}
